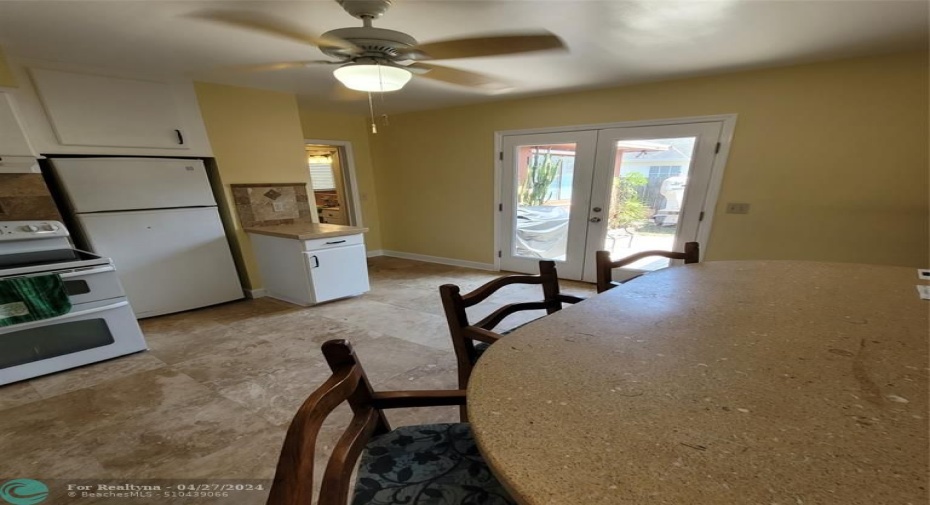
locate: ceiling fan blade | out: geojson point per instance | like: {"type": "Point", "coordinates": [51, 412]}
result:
{"type": "Point", "coordinates": [492, 45]}
{"type": "Point", "coordinates": [459, 77]}
{"type": "Point", "coordinates": [272, 67]}
{"type": "Point", "coordinates": [271, 26]}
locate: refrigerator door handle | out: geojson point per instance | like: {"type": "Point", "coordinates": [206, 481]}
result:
{"type": "Point", "coordinates": [316, 262]}
{"type": "Point", "coordinates": [180, 137]}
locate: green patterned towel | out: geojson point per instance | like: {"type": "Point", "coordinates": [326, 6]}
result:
{"type": "Point", "coordinates": [24, 299]}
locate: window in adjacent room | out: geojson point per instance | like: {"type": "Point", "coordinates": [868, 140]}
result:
{"type": "Point", "coordinates": [321, 173]}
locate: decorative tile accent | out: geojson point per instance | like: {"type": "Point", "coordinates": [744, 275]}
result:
{"type": "Point", "coordinates": [272, 194]}
{"type": "Point", "coordinates": [272, 204]}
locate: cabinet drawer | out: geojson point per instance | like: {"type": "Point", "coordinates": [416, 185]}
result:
{"type": "Point", "coordinates": [330, 242]}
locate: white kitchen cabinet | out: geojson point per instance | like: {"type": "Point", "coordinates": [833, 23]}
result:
{"type": "Point", "coordinates": [73, 109]}
{"type": "Point", "coordinates": [308, 271]}
{"type": "Point", "coordinates": [95, 110]}
{"type": "Point", "coordinates": [16, 153]}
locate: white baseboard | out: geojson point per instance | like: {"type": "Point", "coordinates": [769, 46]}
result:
{"type": "Point", "coordinates": [376, 252]}
{"type": "Point", "coordinates": [255, 293]}
{"type": "Point", "coordinates": [438, 259]}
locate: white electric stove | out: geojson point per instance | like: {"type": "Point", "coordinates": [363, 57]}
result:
{"type": "Point", "coordinates": [101, 324]}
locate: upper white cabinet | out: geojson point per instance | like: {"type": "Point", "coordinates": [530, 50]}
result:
{"type": "Point", "coordinates": [68, 109]}
{"type": "Point", "coordinates": [94, 110]}
{"type": "Point", "coordinates": [13, 140]}
{"type": "Point", "coordinates": [16, 154]}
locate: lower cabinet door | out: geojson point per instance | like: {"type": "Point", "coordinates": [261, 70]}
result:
{"type": "Point", "coordinates": [337, 273]}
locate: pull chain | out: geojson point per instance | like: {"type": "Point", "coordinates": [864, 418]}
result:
{"type": "Point", "coordinates": [371, 110]}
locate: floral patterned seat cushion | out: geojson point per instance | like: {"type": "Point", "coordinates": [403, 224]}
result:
{"type": "Point", "coordinates": [431, 464]}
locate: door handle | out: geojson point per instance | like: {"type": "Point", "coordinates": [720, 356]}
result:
{"type": "Point", "coordinates": [316, 262]}
{"type": "Point", "coordinates": [595, 220]}
{"type": "Point", "coordinates": [335, 242]}
{"type": "Point", "coordinates": [180, 137]}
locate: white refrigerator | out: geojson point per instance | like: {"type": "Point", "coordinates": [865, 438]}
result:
{"type": "Point", "coordinates": [157, 219]}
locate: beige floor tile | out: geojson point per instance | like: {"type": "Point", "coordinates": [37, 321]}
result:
{"type": "Point", "coordinates": [14, 395]}
{"type": "Point", "coordinates": [399, 322]}
{"type": "Point", "coordinates": [96, 373]}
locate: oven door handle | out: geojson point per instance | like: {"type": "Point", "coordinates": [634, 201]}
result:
{"type": "Point", "coordinates": [64, 317]}
{"type": "Point", "coordinates": [89, 271]}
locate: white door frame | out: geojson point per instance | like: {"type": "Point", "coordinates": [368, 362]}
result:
{"type": "Point", "coordinates": [351, 181]}
{"type": "Point", "coordinates": [713, 190]}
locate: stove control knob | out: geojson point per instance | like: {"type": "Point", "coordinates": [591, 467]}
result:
{"type": "Point", "coordinates": [31, 227]}
{"type": "Point", "coordinates": [49, 227]}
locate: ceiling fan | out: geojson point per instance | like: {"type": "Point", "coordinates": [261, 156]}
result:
{"type": "Point", "coordinates": [381, 60]}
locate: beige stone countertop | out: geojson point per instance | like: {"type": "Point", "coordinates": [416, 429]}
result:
{"type": "Point", "coordinates": [735, 382]}
{"type": "Point", "coordinates": [306, 231]}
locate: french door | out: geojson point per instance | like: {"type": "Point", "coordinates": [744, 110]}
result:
{"type": "Point", "coordinates": [567, 195]}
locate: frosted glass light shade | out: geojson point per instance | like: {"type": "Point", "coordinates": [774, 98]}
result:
{"type": "Point", "coordinates": [362, 77]}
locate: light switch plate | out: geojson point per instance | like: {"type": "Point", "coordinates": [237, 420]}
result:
{"type": "Point", "coordinates": [737, 208]}
{"type": "Point", "coordinates": [923, 273]}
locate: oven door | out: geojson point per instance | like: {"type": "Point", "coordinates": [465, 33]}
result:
{"type": "Point", "coordinates": [91, 332]}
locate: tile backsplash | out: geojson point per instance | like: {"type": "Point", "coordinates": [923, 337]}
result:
{"type": "Point", "coordinates": [25, 196]}
{"type": "Point", "coordinates": [272, 204]}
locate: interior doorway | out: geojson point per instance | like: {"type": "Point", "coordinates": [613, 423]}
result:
{"type": "Point", "coordinates": [332, 178]}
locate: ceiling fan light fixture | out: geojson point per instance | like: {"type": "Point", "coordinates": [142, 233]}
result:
{"type": "Point", "coordinates": [372, 77]}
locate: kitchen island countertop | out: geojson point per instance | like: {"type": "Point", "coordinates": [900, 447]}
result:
{"type": "Point", "coordinates": [306, 231]}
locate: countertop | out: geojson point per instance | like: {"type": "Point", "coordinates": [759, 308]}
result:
{"type": "Point", "coordinates": [728, 382]}
{"type": "Point", "coordinates": [306, 231]}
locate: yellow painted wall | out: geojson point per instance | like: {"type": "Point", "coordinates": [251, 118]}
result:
{"type": "Point", "coordinates": [7, 80]}
{"type": "Point", "coordinates": [256, 137]}
{"type": "Point", "coordinates": [6, 75]}
{"type": "Point", "coordinates": [832, 156]}
{"type": "Point", "coordinates": [328, 126]}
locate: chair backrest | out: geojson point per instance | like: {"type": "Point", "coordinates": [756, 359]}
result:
{"type": "Point", "coordinates": [691, 254]}
{"type": "Point", "coordinates": [293, 480]}
{"type": "Point", "coordinates": [464, 333]}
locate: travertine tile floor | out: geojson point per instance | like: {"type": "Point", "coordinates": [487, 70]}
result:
{"type": "Point", "coordinates": [213, 396]}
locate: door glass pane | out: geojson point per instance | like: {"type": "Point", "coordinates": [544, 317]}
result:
{"type": "Point", "coordinates": [649, 181]}
{"type": "Point", "coordinates": [543, 198]}
{"type": "Point", "coordinates": [36, 344]}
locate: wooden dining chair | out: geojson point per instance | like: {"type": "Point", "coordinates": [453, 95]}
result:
{"type": "Point", "coordinates": [465, 334]}
{"type": "Point", "coordinates": [605, 267]}
{"type": "Point", "coordinates": [434, 463]}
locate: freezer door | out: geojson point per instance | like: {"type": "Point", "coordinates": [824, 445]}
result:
{"type": "Point", "coordinates": [167, 260]}
{"type": "Point", "coordinates": [108, 184]}
{"type": "Point", "coordinates": [337, 273]}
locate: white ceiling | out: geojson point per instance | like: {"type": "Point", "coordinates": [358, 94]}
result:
{"type": "Point", "coordinates": [610, 42]}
